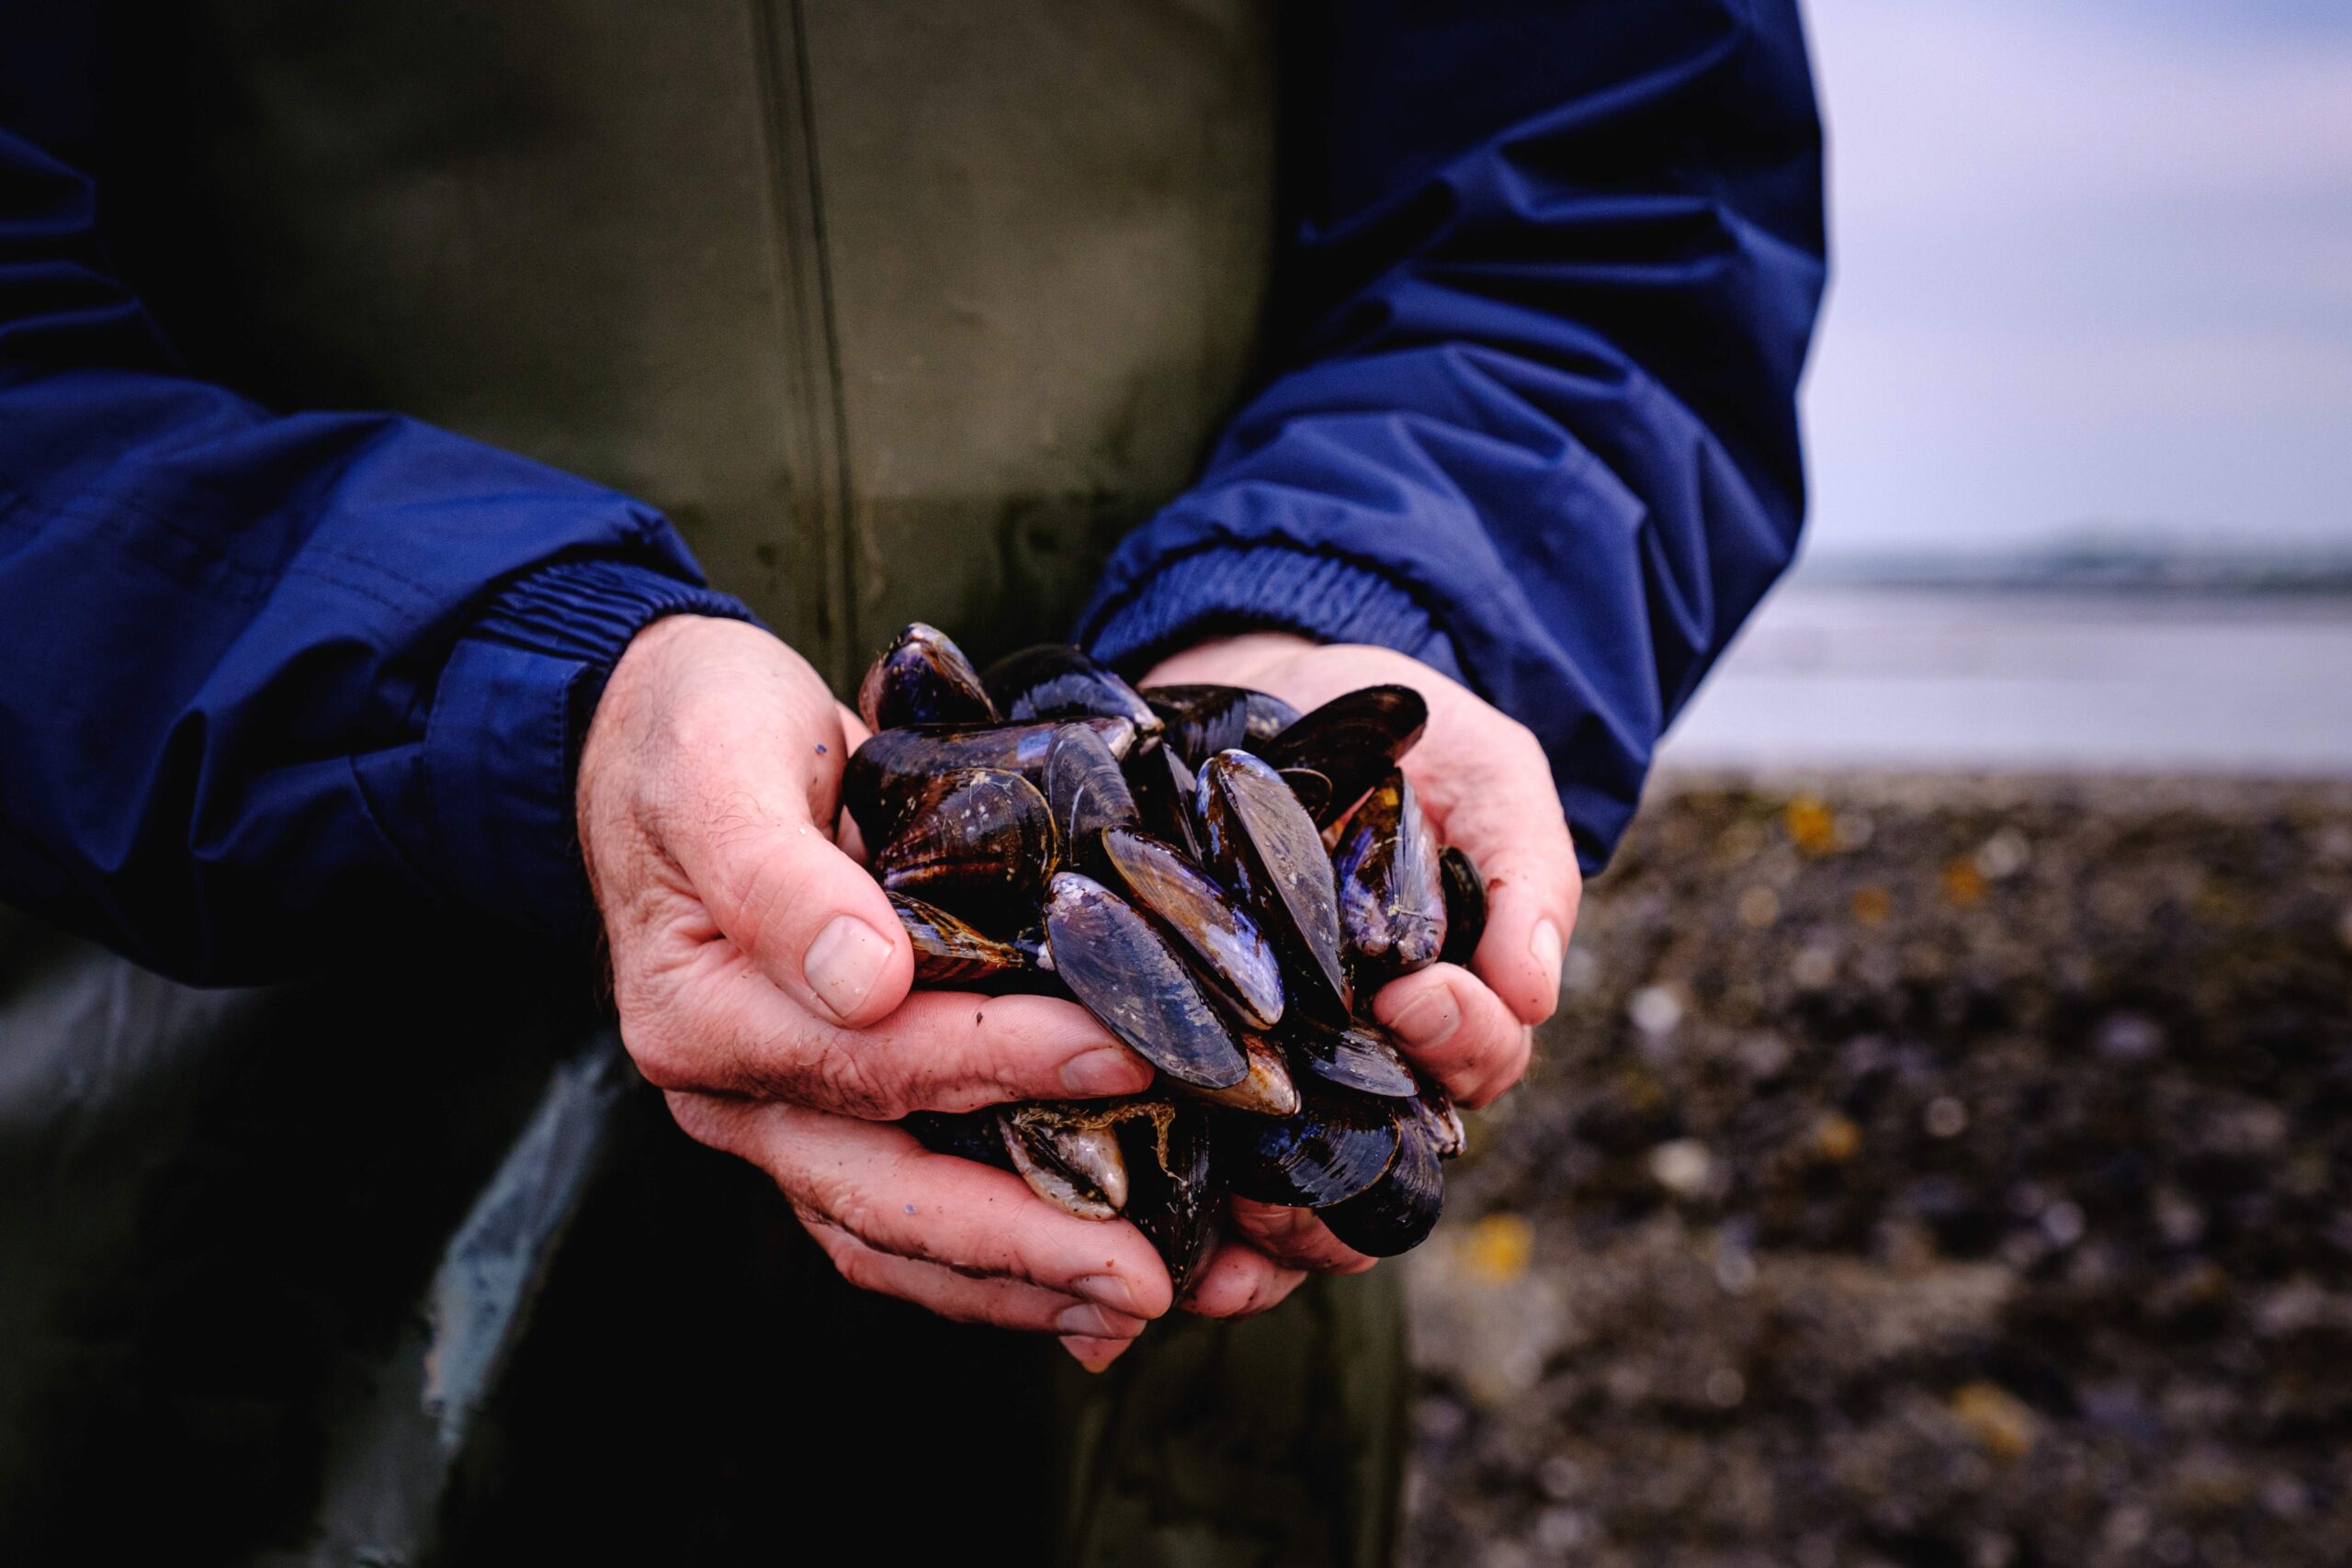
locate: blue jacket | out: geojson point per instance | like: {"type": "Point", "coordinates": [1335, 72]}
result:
{"type": "Point", "coordinates": [275, 683]}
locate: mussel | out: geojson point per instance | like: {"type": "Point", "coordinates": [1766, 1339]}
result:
{"type": "Point", "coordinates": [1224, 944]}
{"type": "Point", "coordinates": [954, 954]}
{"type": "Point", "coordinates": [1056, 680]}
{"type": "Point", "coordinates": [887, 778]}
{"type": "Point", "coordinates": [1352, 740]}
{"type": "Point", "coordinates": [1396, 1212]}
{"type": "Point", "coordinates": [1117, 964]}
{"type": "Point", "coordinates": [1219, 879]}
{"type": "Point", "coordinates": [1204, 720]}
{"type": "Point", "coordinates": [1465, 904]}
{"type": "Point", "coordinates": [1392, 904]}
{"type": "Point", "coordinates": [980, 842]}
{"type": "Point", "coordinates": [923, 677]}
{"type": "Point", "coordinates": [1263, 845]}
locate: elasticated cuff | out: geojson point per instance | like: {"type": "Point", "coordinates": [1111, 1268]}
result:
{"type": "Point", "coordinates": [502, 745]}
{"type": "Point", "coordinates": [1264, 587]}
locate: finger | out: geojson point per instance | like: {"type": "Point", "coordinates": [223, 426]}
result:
{"type": "Point", "coordinates": [1506, 813]}
{"type": "Point", "coordinates": [1005, 1303]}
{"type": "Point", "coordinates": [1238, 1280]}
{"type": "Point", "coordinates": [1095, 1355]}
{"type": "Point", "coordinates": [713, 1024]}
{"type": "Point", "coordinates": [884, 1188]}
{"type": "Point", "coordinates": [1456, 1030]}
{"type": "Point", "coordinates": [1295, 1238]}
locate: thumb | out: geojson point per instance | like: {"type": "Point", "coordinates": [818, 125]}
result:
{"type": "Point", "coordinates": [810, 919]}
{"type": "Point", "coordinates": [819, 927]}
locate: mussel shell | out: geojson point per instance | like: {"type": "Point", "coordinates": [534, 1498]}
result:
{"type": "Point", "coordinates": [1354, 1055]}
{"type": "Point", "coordinates": [951, 954]}
{"type": "Point", "coordinates": [1263, 717]}
{"type": "Point", "coordinates": [1396, 1212]}
{"type": "Point", "coordinates": [1313, 789]}
{"type": "Point", "coordinates": [1055, 679]}
{"type": "Point", "coordinates": [1392, 905]}
{"type": "Point", "coordinates": [1334, 1148]}
{"type": "Point", "coordinates": [923, 677]}
{"type": "Point", "coordinates": [981, 846]}
{"type": "Point", "coordinates": [1224, 943]}
{"type": "Point", "coordinates": [887, 776]}
{"type": "Point", "coordinates": [1163, 785]}
{"type": "Point", "coordinates": [1084, 786]}
{"type": "Point", "coordinates": [1070, 1159]}
{"type": "Point", "coordinates": [1116, 962]}
{"type": "Point", "coordinates": [1440, 1122]}
{"type": "Point", "coordinates": [1352, 740]}
{"type": "Point", "coordinates": [1171, 1195]}
{"type": "Point", "coordinates": [1260, 843]}
{"type": "Point", "coordinates": [1465, 904]}
{"type": "Point", "coordinates": [968, 1135]}
{"type": "Point", "coordinates": [1268, 1091]}
{"type": "Point", "coordinates": [1201, 721]}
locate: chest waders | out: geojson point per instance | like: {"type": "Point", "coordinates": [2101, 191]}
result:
{"type": "Point", "coordinates": [900, 308]}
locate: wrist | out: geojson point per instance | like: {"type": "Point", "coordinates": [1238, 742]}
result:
{"type": "Point", "coordinates": [1227, 660]}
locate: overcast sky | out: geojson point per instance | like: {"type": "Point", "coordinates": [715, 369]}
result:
{"type": "Point", "coordinates": [2093, 271]}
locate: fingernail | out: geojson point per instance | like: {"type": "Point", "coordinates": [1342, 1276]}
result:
{"type": "Point", "coordinates": [1113, 1069]}
{"type": "Point", "coordinates": [1428, 1021]}
{"type": "Point", "coordinates": [1547, 949]}
{"type": "Point", "coordinates": [1087, 1319]}
{"type": "Point", "coordinates": [1092, 1354]}
{"type": "Point", "coordinates": [844, 964]}
{"type": "Point", "coordinates": [1107, 1290]}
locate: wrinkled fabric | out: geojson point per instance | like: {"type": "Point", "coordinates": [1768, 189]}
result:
{"type": "Point", "coordinates": [1554, 269]}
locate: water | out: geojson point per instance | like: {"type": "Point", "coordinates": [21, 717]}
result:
{"type": "Point", "coordinates": [2038, 680]}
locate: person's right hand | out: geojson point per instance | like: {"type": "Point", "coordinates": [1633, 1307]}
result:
{"type": "Point", "coordinates": [763, 982]}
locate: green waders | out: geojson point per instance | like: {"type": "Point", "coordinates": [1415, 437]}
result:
{"type": "Point", "coordinates": [900, 309]}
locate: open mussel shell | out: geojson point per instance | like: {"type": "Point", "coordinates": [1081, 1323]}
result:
{"type": "Point", "coordinates": [1352, 740]}
{"type": "Point", "coordinates": [1224, 943]}
{"type": "Point", "coordinates": [1392, 905]}
{"type": "Point", "coordinates": [1268, 1091]}
{"type": "Point", "coordinates": [1396, 1212]}
{"type": "Point", "coordinates": [1260, 843]}
{"type": "Point", "coordinates": [982, 845]}
{"type": "Point", "coordinates": [1465, 904]}
{"type": "Point", "coordinates": [1354, 1055]}
{"type": "Point", "coordinates": [888, 777]}
{"type": "Point", "coordinates": [923, 677]}
{"type": "Point", "coordinates": [1116, 962]}
{"type": "Point", "coordinates": [1171, 1195]}
{"type": "Point", "coordinates": [968, 1135]}
{"type": "Point", "coordinates": [1056, 680]}
{"type": "Point", "coordinates": [1336, 1146]}
{"type": "Point", "coordinates": [1069, 1157]}
{"type": "Point", "coordinates": [1085, 788]}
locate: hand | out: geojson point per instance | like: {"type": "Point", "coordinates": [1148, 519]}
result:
{"type": "Point", "coordinates": [1485, 785]}
{"type": "Point", "coordinates": [762, 981]}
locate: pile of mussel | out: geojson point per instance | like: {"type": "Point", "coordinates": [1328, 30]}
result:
{"type": "Point", "coordinates": [1223, 881]}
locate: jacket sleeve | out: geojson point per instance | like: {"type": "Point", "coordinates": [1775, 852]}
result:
{"type": "Point", "coordinates": [279, 689]}
{"type": "Point", "coordinates": [1552, 275]}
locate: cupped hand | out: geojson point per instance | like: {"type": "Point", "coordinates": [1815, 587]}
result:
{"type": "Point", "coordinates": [1485, 785]}
{"type": "Point", "coordinates": [762, 983]}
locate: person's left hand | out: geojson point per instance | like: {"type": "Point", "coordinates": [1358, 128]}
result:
{"type": "Point", "coordinates": [1485, 785]}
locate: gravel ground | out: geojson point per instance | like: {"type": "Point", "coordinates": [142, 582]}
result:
{"type": "Point", "coordinates": [1921, 1171]}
